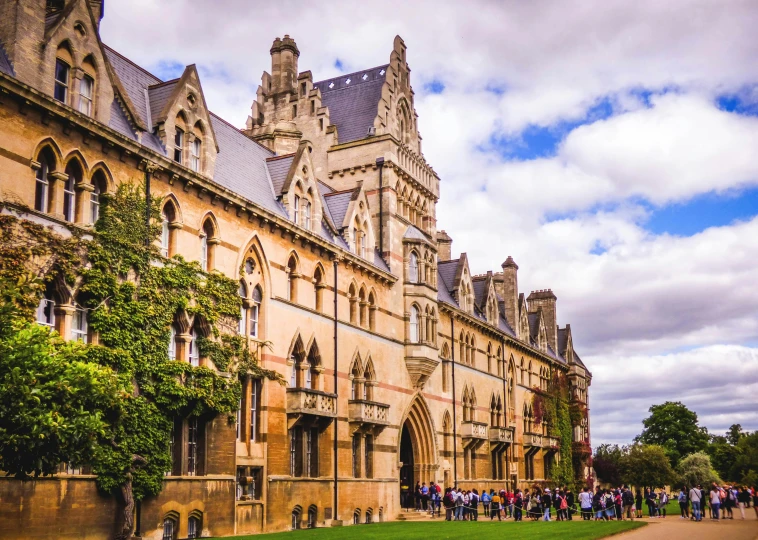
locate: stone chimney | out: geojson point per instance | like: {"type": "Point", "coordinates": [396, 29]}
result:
{"type": "Point", "coordinates": [545, 299]}
{"type": "Point", "coordinates": [444, 246]}
{"type": "Point", "coordinates": [284, 55]}
{"type": "Point", "coordinates": [510, 292]}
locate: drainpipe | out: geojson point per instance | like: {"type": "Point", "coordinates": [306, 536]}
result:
{"type": "Point", "coordinates": [380, 164]}
{"type": "Point", "coordinates": [148, 174]}
{"type": "Point", "coordinates": [336, 400]}
{"type": "Point", "coordinates": [505, 406]}
{"type": "Point", "coordinates": [455, 421]}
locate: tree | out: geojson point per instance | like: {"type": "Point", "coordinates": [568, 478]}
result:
{"type": "Point", "coordinates": [112, 404]}
{"type": "Point", "coordinates": [723, 456]}
{"type": "Point", "coordinates": [745, 468]}
{"type": "Point", "coordinates": [646, 465]}
{"type": "Point", "coordinates": [734, 434]}
{"type": "Point", "coordinates": [607, 462]}
{"type": "Point", "coordinates": [696, 469]}
{"type": "Point", "coordinates": [675, 428]}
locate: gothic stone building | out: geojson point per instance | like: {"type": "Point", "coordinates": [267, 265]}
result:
{"type": "Point", "coordinates": [326, 202]}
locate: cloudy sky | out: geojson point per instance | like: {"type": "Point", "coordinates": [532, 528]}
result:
{"type": "Point", "coordinates": [610, 147]}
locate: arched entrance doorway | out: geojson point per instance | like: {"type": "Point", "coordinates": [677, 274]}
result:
{"type": "Point", "coordinates": [416, 450]}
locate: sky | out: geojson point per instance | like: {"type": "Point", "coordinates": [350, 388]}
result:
{"type": "Point", "coordinates": [611, 148]}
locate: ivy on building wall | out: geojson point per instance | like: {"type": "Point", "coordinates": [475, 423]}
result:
{"type": "Point", "coordinates": [551, 406]}
{"type": "Point", "coordinates": [132, 297]}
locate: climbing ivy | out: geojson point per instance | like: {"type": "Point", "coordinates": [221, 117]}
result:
{"type": "Point", "coordinates": [552, 407]}
{"type": "Point", "coordinates": [132, 296]}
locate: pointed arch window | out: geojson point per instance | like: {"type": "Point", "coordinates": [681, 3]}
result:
{"type": "Point", "coordinates": [307, 214]}
{"type": "Point", "coordinates": [168, 222]}
{"type": "Point", "coordinates": [73, 175]}
{"type": "Point", "coordinates": [318, 288]}
{"type": "Point", "coordinates": [98, 188]}
{"type": "Point", "coordinates": [178, 144]}
{"type": "Point", "coordinates": [42, 189]}
{"type": "Point", "coordinates": [172, 344]}
{"type": "Point", "coordinates": [194, 352]}
{"type": "Point", "coordinates": [207, 246]}
{"type": "Point", "coordinates": [353, 298]}
{"type": "Point", "coordinates": [371, 311]}
{"type": "Point", "coordinates": [414, 335]}
{"type": "Point", "coordinates": [169, 529]}
{"type": "Point", "coordinates": [255, 312]}
{"type": "Point", "coordinates": [62, 76]}
{"type": "Point", "coordinates": [413, 267]}
{"type": "Point", "coordinates": [297, 210]}
{"type": "Point", "coordinates": [46, 309]}
{"type": "Point", "coordinates": [242, 293]}
{"type": "Point", "coordinates": [194, 527]}
{"type": "Point", "coordinates": [195, 154]}
{"type": "Point", "coordinates": [292, 276]}
{"type": "Point", "coordinates": [86, 90]}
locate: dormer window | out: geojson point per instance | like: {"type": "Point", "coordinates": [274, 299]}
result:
{"type": "Point", "coordinates": [307, 214]}
{"type": "Point", "coordinates": [178, 144]}
{"type": "Point", "coordinates": [195, 154]}
{"type": "Point", "coordinates": [86, 88]}
{"type": "Point", "coordinates": [296, 217]}
{"type": "Point", "coordinates": [62, 72]}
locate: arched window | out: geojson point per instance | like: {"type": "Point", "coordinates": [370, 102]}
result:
{"type": "Point", "coordinates": [86, 91]}
{"type": "Point", "coordinates": [314, 368]}
{"type": "Point", "coordinates": [297, 358]}
{"type": "Point", "coordinates": [307, 214]}
{"type": "Point", "coordinates": [446, 435]}
{"type": "Point", "coordinates": [312, 516]}
{"type": "Point", "coordinates": [242, 292]}
{"type": "Point", "coordinates": [368, 512]}
{"type": "Point", "coordinates": [42, 190]}
{"type": "Point", "coordinates": [295, 518]}
{"type": "Point", "coordinates": [73, 176]}
{"type": "Point", "coordinates": [172, 344]}
{"type": "Point", "coordinates": [296, 217]}
{"type": "Point", "coordinates": [168, 217]}
{"type": "Point", "coordinates": [99, 186]}
{"type": "Point", "coordinates": [353, 299]}
{"type": "Point", "coordinates": [194, 524]}
{"type": "Point", "coordinates": [356, 379]}
{"type": "Point", "coordinates": [318, 288]}
{"type": "Point", "coordinates": [179, 129]}
{"type": "Point", "coordinates": [371, 311]}
{"type": "Point", "coordinates": [195, 149]}
{"type": "Point", "coordinates": [194, 353]}
{"type": "Point", "coordinates": [414, 337]}
{"type": "Point", "coordinates": [445, 369]}
{"type": "Point", "coordinates": [207, 245]}
{"type": "Point", "coordinates": [170, 529]}
{"type": "Point", "coordinates": [62, 70]}
{"type": "Point", "coordinates": [363, 308]}
{"type": "Point", "coordinates": [79, 326]}
{"type": "Point", "coordinates": [255, 312]}
{"type": "Point", "coordinates": [413, 267]}
{"type": "Point", "coordinates": [46, 308]}
{"type": "Point", "coordinates": [357, 516]}
{"type": "Point", "coordinates": [292, 276]}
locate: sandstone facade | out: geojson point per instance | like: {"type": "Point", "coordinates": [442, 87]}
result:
{"type": "Point", "coordinates": [325, 205]}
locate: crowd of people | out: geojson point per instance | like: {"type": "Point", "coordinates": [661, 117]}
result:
{"type": "Point", "coordinates": [562, 504]}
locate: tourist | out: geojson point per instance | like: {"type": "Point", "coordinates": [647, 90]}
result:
{"type": "Point", "coordinates": [609, 503]}
{"type": "Point", "coordinates": [570, 504]}
{"type": "Point", "coordinates": [486, 501]}
{"type": "Point", "coordinates": [417, 496]}
{"type": "Point", "coordinates": [557, 502]}
{"type": "Point", "coordinates": [715, 501]}
{"type": "Point", "coordinates": [518, 505]}
{"type": "Point", "coordinates": [627, 500]}
{"type": "Point", "coordinates": [743, 500]}
{"type": "Point", "coordinates": [585, 503]}
{"type": "Point", "coordinates": [683, 506]}
{"type": "Point", "coordinates": [434, 499]}
{"type": "Point", "coordinates": [618, 504]}
{"type": "Point", "coordinates": [466, 503]}
{"type": "Point", "coordinates": [546, 504]}
{"type": "Point", "coordinates": [650, 501]}
{"type": "Point", "coordinates": [638, 503]}
{"type": "Point", "coordinates": [755, 500]}
{"type": "Point", "coordinates": [695, 499]}
{"type": "Point", "coordinates": [494, 505]}
{"type": "Point", "coordinates": [448, 501]}
{"type": "Point", "coordinates": [663, 500]}
{"type": "Point", "coordinates": [511, 498]}
{"type": "Point", "coordinates": [598, 504]}
{"type": "Point", "coordinates": [729, 501]}
{"type": "Point", "coordinates": [474, 502]}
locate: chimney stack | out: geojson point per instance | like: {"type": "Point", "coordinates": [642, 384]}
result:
{"type": "Point", "coordinates": [510, 292]}
{"type": "Point", "coordinates": [284, 55]}
{"type": "Point", "coordinates": [444, 246]}
{"type": "Point", "coordinates": [545, 299]}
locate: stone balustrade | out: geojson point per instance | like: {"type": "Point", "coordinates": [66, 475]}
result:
{"type": "Point", "coordinates": [533, 439]}
{"type": "Point", "coordinates": [312, 402]}
{"type": "Point", "coordinates": [474, 430]}
{"type": "Point", "coordinates": [368, 412]}
{"type": "Point", "coordinates": [501, 435]}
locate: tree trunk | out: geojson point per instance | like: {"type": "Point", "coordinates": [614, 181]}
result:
{"type": "Point", "coordinates": [126, 492]}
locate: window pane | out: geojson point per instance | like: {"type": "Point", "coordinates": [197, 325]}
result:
{"type": "Point", "coordinates": [85, 95]}
{"type": "Point", "coordinates": [79, 327]}
{"type": "Point", "coordinates": [178, 144]}
{"type": "Point", "coordinates": [61, 81]}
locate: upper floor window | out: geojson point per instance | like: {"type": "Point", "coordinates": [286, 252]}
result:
{"type": "Point", "coordinates": [172, 344]}
{"type": "Point", "coordinates": [195, 154]}
{"type": "Point", "coordinates": [413, 268]}
{"type": "Point", "coordinates": [79, 325]}
{"type": "Point", "coordinates": [414, 337]}
{"type": "Point", "coordinates": [69, 195]}
{"type": "Point", "coordinates": [255, 312]}
{"type": "Point", "coordinates": [42, 190]}
{"type": "Point", "coordinates": [62, 76]}
{"type": "Point", "coordinates": [307, 214]}
{"type": "Point", "coordinates": [178, 144]}
{"type": "Point", "coordinates": [168, 216]}
{"type": "Point", "coordinates": [46, 310]}
{"type": "Point", "coordinates": [297, 210]}
{"type": "Point", "coordinates": [86, 87]}
{"type": "Point", "coordinates": [207, 242]}
{"type": "Point", "coordinates": [194, 353]}
{"type": "Point", "coordinates": [243, 307]}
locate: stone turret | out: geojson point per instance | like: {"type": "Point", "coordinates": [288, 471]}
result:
{"type": "Point", "coordinates": [509, 292]}
{"type": "Point", "coordinates": [444, 246]}
{"type": "Point", "coordinates": [545, 300]}
{"type": "Point", "coordinates": [284, 55]}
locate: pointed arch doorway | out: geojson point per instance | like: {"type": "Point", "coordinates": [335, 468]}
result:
{"type": "Point", "coordinates": [416, 450]}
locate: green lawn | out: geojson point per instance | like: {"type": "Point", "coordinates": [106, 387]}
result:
{"type": "Point", "coordinates": [439, 530]}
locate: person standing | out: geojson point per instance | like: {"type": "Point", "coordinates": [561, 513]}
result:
{"type": "Point", "coordinates": [715, 502]}
{"type": "Point", "coordinates": [474, 502]}
{"type": "Point", "coordinates": [518, 504]}
{"type": "Point", "coordinates": [585, 503]}
{"type": "Point", "coordinates": [638, 503]}
{"type": "Point", "coordinates": [743, 500]}
{"type": "Point", "coordinates": [682, 499]}
{"type": "Point", "coordinates": [627, 500]}
{"type": "Point", "coordinates": [494, 505]}
{"type": "Point", "coordinates": [663, 500]}
{"type": "Point", "coordinates": [546, 504]}
{"type": "Point", "coordinates": [570, 503]}
{"type": "Point", "coordinates": [486, 498]}
{"type": "Point", "coordinates": [695, 499]}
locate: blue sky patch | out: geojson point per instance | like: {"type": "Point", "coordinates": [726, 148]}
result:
{"type": "Point", "coordinates": [435, 86]}
{"type": "Point", "coordinates": [744, 102]}
{"type": "Point", "coordinates": [167, 70]}
{"type": "Point", "coordinates": [338, 64]}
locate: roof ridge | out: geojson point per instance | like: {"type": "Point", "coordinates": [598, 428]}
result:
{"type": "Point", "coordinates": [274, 158]}
{"type": "Point", "coordinates": [339, 192]}
{"type": "Point", "coordinates": [163, 83]}
{"type": "Point", "coordinates": [360, 71]}
{"type": "Point", "coordinates": [132, 62]}
{"type": "Point", "coordinates": [235, 128]}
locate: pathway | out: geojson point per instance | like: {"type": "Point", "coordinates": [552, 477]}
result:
{"type": "Point", "coordinates": [674, 528]}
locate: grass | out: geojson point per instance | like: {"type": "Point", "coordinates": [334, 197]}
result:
{"type": "Point", "coordinates": [440, 530]}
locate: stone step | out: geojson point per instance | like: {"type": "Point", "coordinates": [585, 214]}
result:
{"type": "Point", "coordinates": [414, 516]}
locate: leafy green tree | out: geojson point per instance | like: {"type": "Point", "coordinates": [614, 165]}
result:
{"type": "Point", "coordinates": [696, 469]}
{"type": "Point", "coordinates": [646, 465]}
{"type": "Point", "coordinates": [607, 463]}
{"type": "Point", "coordinates": [675, 428]}
{"type": "Point", "coordinates": [745, 468]}
{"type": "Point", "coordinates": [734, 434]}
{"type": "Point", "coordinates": [723, 456]}
{"type": "Point", "coordinates": [112, 404]}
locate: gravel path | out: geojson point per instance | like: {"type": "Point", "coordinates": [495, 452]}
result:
{"type": "Point", "coordinates": [674, 528]}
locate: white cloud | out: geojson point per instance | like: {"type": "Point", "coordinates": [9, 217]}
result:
{"type": "Point", "coordinates": [551, 61]}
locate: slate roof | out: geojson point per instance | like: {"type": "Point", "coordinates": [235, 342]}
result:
{"type": "Point", "coordinates": [5, 64]}
{"type": "Point", "coordinates": [134, 80]}
{"type": "Point", "coordinates": [353, 105]}
{"type": "Point", "coordinates": [278, 167]}
{"type": "Point", "coordinates": [337, 203]}
{"type": "Point", "coordinates": [414, 233]}
{"type": "Point", "coordinates": [534, 324]}
{"type": "Point", "coordinates": [480, 291]}
{"type": "Point", "coordinates": [562, 340]}
{"type": "Point", "coordinates": [119, 122]}
{"type": "Point", "coordinates": [159, 95]}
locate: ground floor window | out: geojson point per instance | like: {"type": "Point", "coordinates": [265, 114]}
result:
{"type": "Point", "coordinates": [312, 517]}
{"type": "Point", "coordinates": [249, 483]}
{"type": "Point", "coordinates": [169, 529]}
{"type": "Point", "coordinates": [194, 525]}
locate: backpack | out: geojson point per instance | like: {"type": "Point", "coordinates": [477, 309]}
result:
{"type": "Point", "coordinates": [563, 504]}
{"type": "Point", "coordinates": [627, 498]}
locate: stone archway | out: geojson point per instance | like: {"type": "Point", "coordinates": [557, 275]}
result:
{"type": "Point", "coordinates": [416, 449]}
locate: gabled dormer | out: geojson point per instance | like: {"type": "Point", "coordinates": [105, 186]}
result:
{"type": "Point", "coordinates": [356, 225]}
{"type": "Point", "coordinates": [178, 113]}
{"type": "Point", "coordinates": [463, 286]}
{"type": "Point", "coordinates": [296, 187]}
{"type": "Point", "coordinates": [486, 297]}
{"type": "Point", "coordinates": [537, 329]}
{"type": "Point", "coordinates": [523, 318]}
